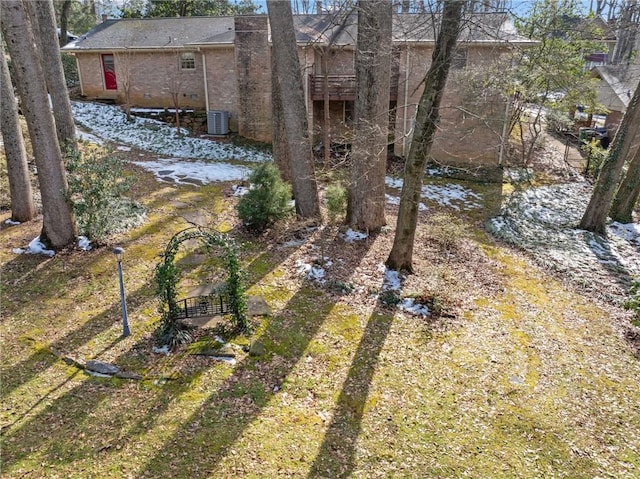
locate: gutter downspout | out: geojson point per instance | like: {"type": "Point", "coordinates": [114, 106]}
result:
{"type": "Point", "coordinates": [79, 75]}
{"type": "Point", "coordinates": [406, 100]}
{"type": "Point", "coordinates": [505, 128]}
{"type": "Point", "coordinates": [206, 82]}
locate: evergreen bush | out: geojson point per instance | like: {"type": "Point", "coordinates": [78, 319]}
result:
{"type": "Point", "coordinates": [70, 68]}
{"type": "Point", "coordinates": [267, 201]}
{"type": "Point", "coordinates": [336, 201]}
{"type": "Point", "coordinates": [97, 188]}
{"type": "Point", "coordinates": [633, 301]}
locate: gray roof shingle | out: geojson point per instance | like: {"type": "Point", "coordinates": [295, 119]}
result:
{"type": "Point", "coordinates": [339, 28]}
{"type": "Point", "coordinates": [623, 79]}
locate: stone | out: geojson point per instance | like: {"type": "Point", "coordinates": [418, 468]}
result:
{"type": "Point", "coordinates": [194, 259]}
{"type": "Point", "coordinates": [257, 306]}
{"type": "Point", "coordinates": [205, 290]}
{"type": "Point", "coordinates": [195, 218]}
{"type": "Point", "coordinates": [257, 349]}
{"type": "Point", "coordinates": [102, 368]}
{"type": "Point", "coordinates": [128, 375]}
{"type": "Point", "coordinates": [224, 351]}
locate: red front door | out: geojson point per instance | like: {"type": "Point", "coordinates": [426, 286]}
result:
{"type": "Point", "coordinates": [109, 69]}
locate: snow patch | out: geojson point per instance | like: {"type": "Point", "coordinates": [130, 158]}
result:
{"type": "Point", "coordinates": [35, 247]}
{"type": "Point", "coordinates": [350, 236]}
{"type": "Point", "coordinates": [192, 172]}
{"type": "Point", "coordinates": [84, 243]}
{"type": "Point", "coordinates": [410, 305]}
{"type": "Point", "coordinates": [162, 350]}
{"type": "Point", "coordinates": [451, 195]}
{"type": "Point", "coordinates": [392, 280]}
{"type": "Point", "coordinates": [110, 123]}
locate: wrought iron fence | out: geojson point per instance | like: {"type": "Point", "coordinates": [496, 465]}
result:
{"type": "Point", "coordinates": [196, 306]}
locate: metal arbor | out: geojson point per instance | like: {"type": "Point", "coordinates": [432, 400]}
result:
{"type": "Point", "coordinates": [173, 331]}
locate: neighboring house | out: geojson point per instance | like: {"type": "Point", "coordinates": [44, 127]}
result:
{"type": "Point", "coordinates": [615, 89]}
{"type": "Point", "coordinates": [70, 36]}
{"type": "Point", "coordinates": [222, 65]}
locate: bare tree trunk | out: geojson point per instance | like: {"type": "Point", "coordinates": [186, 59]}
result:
{"type": "Point", "coordinates": [280, 149]}
{"type": "Point", "coordinates": [628, 192]}
{"type": "Point", "coordinates": [64, 22]}
{"type": "Point", "coordinates": [22, 207]}
{"type": "Point", "coordinates": [47, 40]}
{"type": "Point", "coordinates": [595, 217]}
{"type": "Point", "coordinates": [59, 227]}
{"type": "Point", "coordinates": [426, 123]}
{"type": "Point", "coordinates": [627, 32]}
{"type": "Point", "coordinates": [289, 78]}
{"type": "Point", "coordinates": [369, 155]}
{"type": "Point", "coordinates": [326, 124]}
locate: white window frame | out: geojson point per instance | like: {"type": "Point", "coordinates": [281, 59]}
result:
{"type": "Point", "coordinates": [187, 61]}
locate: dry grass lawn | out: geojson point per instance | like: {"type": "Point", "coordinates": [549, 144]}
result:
{"type": "Point", "coordinates": [520, 377]}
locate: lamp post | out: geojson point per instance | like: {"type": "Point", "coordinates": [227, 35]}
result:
{"type": "Point", "coordinates": [119, 252]}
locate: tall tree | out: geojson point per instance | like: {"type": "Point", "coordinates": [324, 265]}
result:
{"type": "Point", "coordinates": [22, 207]}
{"type": "Point", "coordinates": [188, 8]}
{"type": "Point", "coordinates": [43, 15]}
{"type": "Point", "coordinates": [426, 124]}
{"type": "Point", "coordinates": [294, 113]}
{"type": "Point", "coordinates": [595, 216]}
{"type": "Point", "coordinates": [365, 209]}
{"type": "Point", "coordinates": [279, 142]}
{"type": "Point", "coordinates": [628, 192]}
{"type": "Point", "coordinates": [555, 64]}
{"type": "Point", "coordinates": [59, 227]}
{"type": "Point", "coordinates": [65, 8]}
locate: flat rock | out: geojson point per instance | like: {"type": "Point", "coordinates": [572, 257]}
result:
{"type": "Point", "coordinates": [102, 368]}
{"type": "Point", "coordinates": [128, 375]}
{"type": "Point", "coordinates": [257, 306]}
{"type": "Point", "coordinates": [204, 289]}
{"type": "Point", "coordinates": [215, 352]}
{"type": "Point", "coordinates": [205, 322]}
{"type": "Point", "coordinates": [257, 349]}
{"type": "Point", "coordinates": [194, 259]}
{"type": "Point", "coordinates": [178, 204]}
{"type": "Point", "coordinates": [195, 218]}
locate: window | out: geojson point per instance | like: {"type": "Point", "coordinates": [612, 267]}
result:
{"type": "Point", "coordinates": [187, 61]}
{"type": "Point", "coordinates": [459, 59]}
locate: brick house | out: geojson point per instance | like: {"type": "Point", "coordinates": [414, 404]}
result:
{"type": "Point", "coordinates": [615, 87]}
{"type": "Point", "coordinates": [222, 64]}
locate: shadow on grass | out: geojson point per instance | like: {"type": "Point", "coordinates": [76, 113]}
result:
{"type": "Point", "coordinates": [251, 386]}
{"type": "Point", "coordinates": [609, 260]}
{"type": "Point", "coordinates": [85, 419]}
{"type": "Point", "coordinates": [38, 362]}
{"type": "Point", "coordinates": [336, 456]}
{"type": "Point", "coordinates": [242, 396]}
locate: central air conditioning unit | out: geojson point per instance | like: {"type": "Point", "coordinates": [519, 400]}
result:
{"type": "Point", "coordinates": [218, 122]}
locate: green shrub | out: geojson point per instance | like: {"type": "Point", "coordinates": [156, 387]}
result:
{"type": "Point", "coordinates": [595, 156]}
{"type": "Point", "coordinates": [336, 201]}
{"type": "Point", "coordinates": [633, 301]}
{"type": "Point", "coordinates": [390, 298]}
{"type": "Point", "coordinates": [447, 232]}
{"type": "Point", "coordinates": [96, 190]}
{"type": "Point", "coordinates": [70, 68]}
{"type": "Point", "coordinates": [267, 201]}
